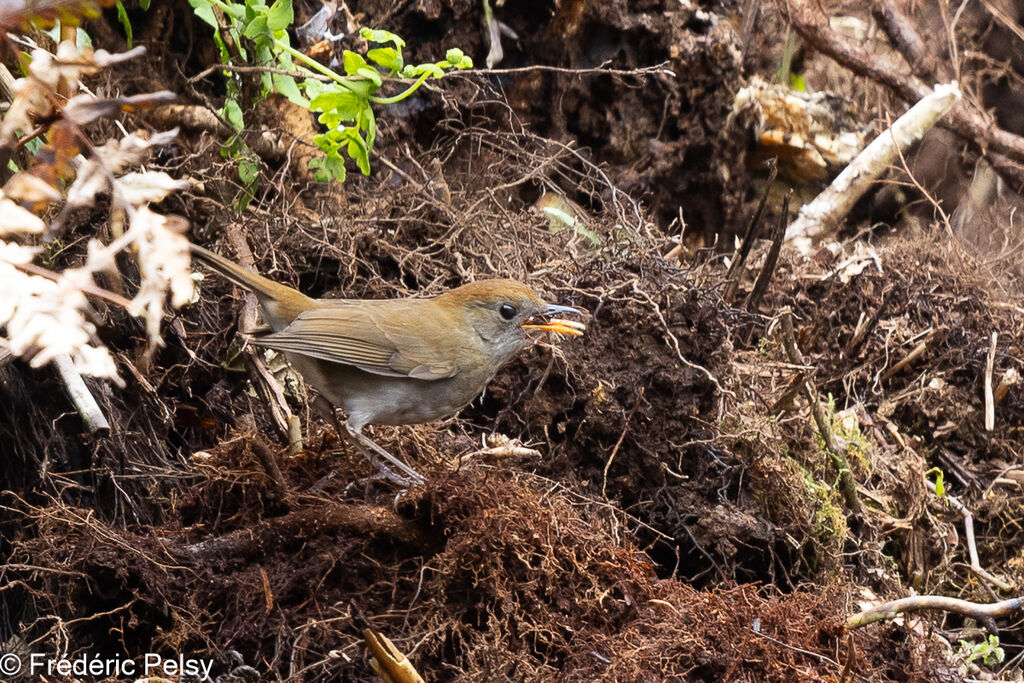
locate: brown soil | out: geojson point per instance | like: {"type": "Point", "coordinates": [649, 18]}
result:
{"type": "Point", "coordinates": [678, 525]}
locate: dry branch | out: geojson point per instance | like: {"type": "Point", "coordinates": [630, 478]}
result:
{"type": "Point", "coordinates": [822, 216]}
{"type": "Point", "coordinates": [93, 417]}
{"type": "Point", "coordinates": [836, 453]}
{"type": "Point", "coordinates": [972, 546]}
{"type": "Point", "coordinates": [264, 381]}
{"type": "Point", "coordinates": [860, 335]}
{"type": "Point", "coordinates": [966, 121]}
{"type": "Point", "coordinates": [770, 260]}
{"type": "Point", "coordinates": [914, 354]}
{"type": "Point", "coordinates": [301, 524]}
{"type": "Point", "coordinates": [982, 612]}
{"type": "Point", "coordinates": [990, 402]}
{"type": "Point", "coordinates": [740, 257]}
{"type": "Point", "coordinates": [388, 661]}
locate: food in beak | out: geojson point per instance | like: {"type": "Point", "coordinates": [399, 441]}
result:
{"type": "Point", "coordinates": [557, 325]}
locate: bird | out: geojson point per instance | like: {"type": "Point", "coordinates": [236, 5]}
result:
{"type": "Point", "coordinates": [397, 361]}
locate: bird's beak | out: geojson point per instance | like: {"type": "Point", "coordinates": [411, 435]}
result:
{"type": "Point", "coordinates": [545, 322]}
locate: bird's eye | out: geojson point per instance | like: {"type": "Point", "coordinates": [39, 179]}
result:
{"type": "Point", "coordinates": [507, 311]}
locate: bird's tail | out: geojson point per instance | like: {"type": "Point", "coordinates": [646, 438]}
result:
{"type": "Point", "coordinates": [281, 302]}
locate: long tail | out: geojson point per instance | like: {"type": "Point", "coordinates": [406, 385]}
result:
{"type": "Point", "coordinates": [280, 302]}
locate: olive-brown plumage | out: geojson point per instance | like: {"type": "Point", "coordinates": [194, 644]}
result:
{"type": "Point", "coordinates": [397, 361]}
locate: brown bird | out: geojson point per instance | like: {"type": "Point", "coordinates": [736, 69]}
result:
{"type": "Point", "coordinates": [397, 361]}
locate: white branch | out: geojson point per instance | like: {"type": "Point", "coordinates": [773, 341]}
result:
{"type": "Point", "coordinates": [822, 215]}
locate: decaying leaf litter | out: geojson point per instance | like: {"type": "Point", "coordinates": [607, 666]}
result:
{"type": "Point", "coordinates": [681, 521]}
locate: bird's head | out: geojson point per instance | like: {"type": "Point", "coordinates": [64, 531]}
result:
{"type": "Point", "coordinates": [501, 311]}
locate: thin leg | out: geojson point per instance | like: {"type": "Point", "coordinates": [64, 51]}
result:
{"type": "Point", "coordinates": [369, 449]}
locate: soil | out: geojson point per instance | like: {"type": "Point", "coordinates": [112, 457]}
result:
{"type": "Point", "coordinates": [678, 519]}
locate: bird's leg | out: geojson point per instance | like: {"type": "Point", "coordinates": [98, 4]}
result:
{"type": "Point", "coordinates": [372, 451]}
{"type": "Point", "coordinates": [368, 448]}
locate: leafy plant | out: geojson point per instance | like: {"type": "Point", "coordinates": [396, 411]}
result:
{"type": "Point", "coordinates": [988, 651]}
{"type": "Point", "coordinates": [258, 34]}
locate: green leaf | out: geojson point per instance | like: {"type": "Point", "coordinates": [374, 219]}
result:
{"type": "Point", "coordinates": [232, 113]}
{"type": "Point", "coordinates": [411, 71]}
{"type": "Point", "coordinates": [352, 62]}
{"type": "Point", "coordinates": [341, 102]}
{"type": "Point", "coordinates": [248, 171]}
{"type": "Point", "coordinates": [454, 55]}
{"type": "Point", "coordinates": [375, 35]}
{"type": "Point", "coordinates": [280, 15]}
{"type": "Point", "coordinates": [371, 75]}
{"type": "Point", "coordinates": [387, 57]}
{"type": "Point", "coordinates": [144, 4]}
{"type": "Point", "coordinates": [287, 86]}
{"type": "Point", "coordinates": [368, 122]}
{"type": "Point", "coordinates": [126, 24]}
{"type": "Point", "coordinates": [256, 27]}
{"type": "Point", "coordinates": [331, 166]}
{"type": "Point", "coordinates": [204, 10]}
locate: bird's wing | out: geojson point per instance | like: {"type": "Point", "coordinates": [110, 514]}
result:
{"type": "Point", "coordinates": [363, 338]}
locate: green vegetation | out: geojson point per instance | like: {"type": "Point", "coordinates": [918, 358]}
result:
{"type": "Point", "coordinates": [253, 32]}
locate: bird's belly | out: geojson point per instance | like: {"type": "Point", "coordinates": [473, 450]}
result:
{"type": "Point", "coordinates": [369, 398]}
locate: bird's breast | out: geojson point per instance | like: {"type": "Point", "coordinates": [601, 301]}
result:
{"type": "Point", "coordinates": [368, 398]}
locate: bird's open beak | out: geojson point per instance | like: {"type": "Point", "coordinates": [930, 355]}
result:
{"type": "Point", "coordinates": [547, 323]}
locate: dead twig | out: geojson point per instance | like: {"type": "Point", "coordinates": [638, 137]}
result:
{"type": "Point", "coordinates": [770, 261]}
{"type": "Point", "coordinates": [266, 458]}
{"type": "Point", "coordinates": [267, 387]}
{"type": "Point", "coordinates": [914, 354]}
{"type": "Point", "coordinates": [318, 518]}
{"type": "Point", "coordinates": [972, 546]}
{"type": "Point", "coordinates": [388, 661]}
{"type": "Point", "coordinates": [851, 659]}
{"type": "Point", "coordinates": [93, 417]}
{"type": "Point", "coordinates": [740, 257]}
{"type": "Point", "coordinates": [864, 329]}
{"type": "Point", "coordinates": [984, 613]}
{"type": "Point", "coordinates": [990, 402]}
{"type": "Point", "coordinates": [821, 216]}
{"type": "Point", "coordinates": [967, 122]}
{"type": "Point", "coordinates": [847, 484]}
{"type": "Point", "coordinates": [618, 444]}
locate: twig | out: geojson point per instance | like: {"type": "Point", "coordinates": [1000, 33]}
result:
{"type": "Point", "coordinates": [906, 40]}
{"type": "Point", "coordinates": [990, 402]}
{"type": "Point", "coordinates": [496, 446]}
{"type": "Point", "coordinates": [972, 546]}
{"type": "Point", "coordinates": [319, 517]}
{"type": "Point", "coordinates": [740, 257]}
{"type": "Point", "coordinates": [1009, 379]}
{"type": "Point", "coordinates": [851, 659]}
{"type": "Point", "coordinates": [914, 354]}
{"type": "Point", "coordinates": [265, 383]}
{"type": "Point", "coordinates": [80, 395]}
{"type": "Point", "coordinates": [770, 261]}
{"type": "Point", "coordinates": [92, 290]}
{"type": "Point", "coordinates": [388, 661]}
{"type": "Point", "coordinates": [821, 216]}
{"type": "Point", "coordinates": [984, 613]}
{"type": "Point", "coordinates": [862, 331]}
{"type": "Point", "coordinates": [656, 70]}
{"type": "Point", "coordinates": [194, 117]}
{"type": "Point", "coordinates": [257, 69]}
{"type": "Point", "coordinates": [838, 455]}
{"type": "Point", "coordinates": [967, 122]}
{"type": "Point", "coordinates": [618, 444]}
{"type": "Point", "coordinates": [266, 458]}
